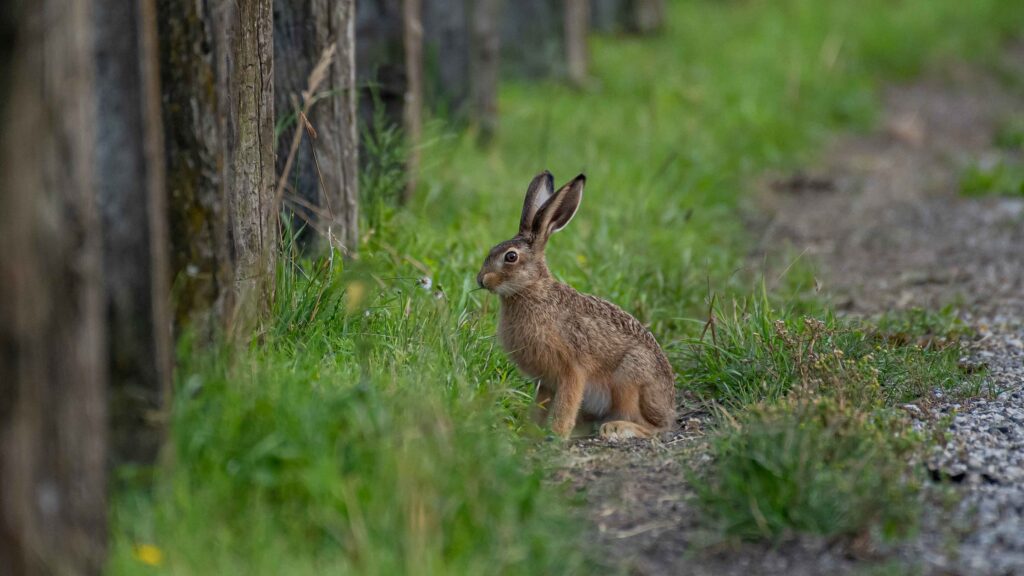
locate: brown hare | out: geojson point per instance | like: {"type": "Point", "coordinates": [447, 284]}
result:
{"type": "Point", "coordinates": [591, 359]}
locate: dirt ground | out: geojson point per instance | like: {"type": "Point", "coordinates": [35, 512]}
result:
{"type": "Point", "coordinates": [881, 219]}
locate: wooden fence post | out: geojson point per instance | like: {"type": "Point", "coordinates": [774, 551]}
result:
{"type": "Point", "coordinates": [53, 420]}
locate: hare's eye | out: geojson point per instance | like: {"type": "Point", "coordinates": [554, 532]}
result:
{"type": "Point", "coordinates": [511, 256]}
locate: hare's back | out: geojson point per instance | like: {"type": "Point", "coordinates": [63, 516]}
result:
{"type": "Point", "coordinates": [602, 329]}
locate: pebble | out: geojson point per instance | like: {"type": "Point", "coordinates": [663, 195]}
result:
{"type": "Point", "coordinates": [986, 445]}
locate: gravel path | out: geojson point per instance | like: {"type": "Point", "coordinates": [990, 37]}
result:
{"type": "Point", "coordinates": [891, 231]}
{"type": "Point", "coordinates": [882, 219]}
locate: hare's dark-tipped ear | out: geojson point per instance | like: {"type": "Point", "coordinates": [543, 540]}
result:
{"type": "Point", "coordinates": [539, 192]}
{"type": "Point", "coordinates": [559, 210]}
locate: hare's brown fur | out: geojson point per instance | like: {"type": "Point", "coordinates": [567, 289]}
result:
{"type": "Point", "coordinates": [590, 357]}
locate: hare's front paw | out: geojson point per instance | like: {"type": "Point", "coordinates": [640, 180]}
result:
{"type": "Point", "coordinates": [623, 430]}
{"type": "Point", "coordinates": [562, 429]}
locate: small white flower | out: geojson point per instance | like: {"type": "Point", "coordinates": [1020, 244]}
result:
{"type": "Point", "coordinates": [438, 295]}
{"type": "Point", "coordinates": [425, 282]}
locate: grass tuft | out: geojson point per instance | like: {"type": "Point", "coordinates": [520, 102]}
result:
{"type": "Point", "coordinates": [1000, 177]}
{"type": "Point", "coordinates": [757, 353]}
{"type": "Point", "coordinates": [1010, 134]}
{"type": "Point", "coordinates": [811, 440]}
{"type": "Point", "coordinates": [811, 466]}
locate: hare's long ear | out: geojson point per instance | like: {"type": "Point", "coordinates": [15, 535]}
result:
{"type": "Point", "coordinates": [539, 192]}
{"type": "Point", "coordinates": [559, 210]}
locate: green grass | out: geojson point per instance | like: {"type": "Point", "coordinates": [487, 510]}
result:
{"type": "Point", "coordinates": [1002, 177]}
{"type": "Point", "coordinates": [376, 428]}
{"type": "Point", "coordinates": [756, 353]}
{"type": "Point", "coordinates": [811, 440]}
{"type": "Point", "coordinates": [298, 456]}
{"type": "Point", "coordinates": [1003, 173]}
{"type": "Point", "coordinates": [1010, 134]}
{"type": "Point", "coordinates": [812, 465]}
{"type": "Point", "coordinates": [927, 329]}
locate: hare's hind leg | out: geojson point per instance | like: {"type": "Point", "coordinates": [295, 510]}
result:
{"type": "Point", "coordinates": [623, 430]}
{"type": "Point", "coordinates": [627, 420]}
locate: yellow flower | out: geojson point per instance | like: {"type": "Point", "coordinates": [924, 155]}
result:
{"type": "Point", "coordinates": [354, 293]}
{"type": "Point", "coordinates": [148, 554]}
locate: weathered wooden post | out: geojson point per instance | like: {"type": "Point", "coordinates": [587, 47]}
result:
{"type": "Point", "coordinates": [53, 357]}
{"type": "Point", "coordinates": [217, 75]}
{"type": "Point", "coordinates": [632, 16]}
{"type": "Point", "coordinates": [485, 67]}
{"type": "Point", "coordinates": [533, 38]}
{"type": "Point", "coordinates": [412, 20]}
{"type": "Point", "coordinates": [324, 171]}
{"type": "Point", "coordinates": [133, 209]}
{"type": "Point", "coordinates": [577, 24]}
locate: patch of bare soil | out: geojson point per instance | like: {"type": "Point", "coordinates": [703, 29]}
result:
{"type": "Point", "coordinates": [882, 219]}
{"type": "Point", "coordinates": [644, 521]}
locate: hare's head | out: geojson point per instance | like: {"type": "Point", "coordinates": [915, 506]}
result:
{"type": "Point", "coordinates": [516, 264]}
